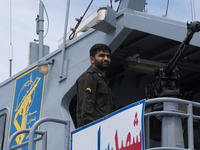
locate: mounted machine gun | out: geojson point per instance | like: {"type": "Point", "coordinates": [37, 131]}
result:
{"type": "Point", "coordinates": [166, 80]}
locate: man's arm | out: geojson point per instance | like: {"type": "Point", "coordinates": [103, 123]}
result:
{"type": "Point", "coordinates": [87, 86]}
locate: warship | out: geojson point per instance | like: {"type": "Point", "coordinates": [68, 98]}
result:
{"type": "Point", "coordinates": [154, 76]}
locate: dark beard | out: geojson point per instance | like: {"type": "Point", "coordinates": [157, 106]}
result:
{"type": "Point", "coordinates": [100, 66]}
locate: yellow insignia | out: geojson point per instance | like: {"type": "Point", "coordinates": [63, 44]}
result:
{"type": "Point", "coordinates": [88, 90]}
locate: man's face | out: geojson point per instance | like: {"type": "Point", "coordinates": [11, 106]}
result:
{"type": "Point", "coordinates": [101, 60]}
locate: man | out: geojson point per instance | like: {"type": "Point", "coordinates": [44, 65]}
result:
{"type": "Point", "coordinates": [94, 97]}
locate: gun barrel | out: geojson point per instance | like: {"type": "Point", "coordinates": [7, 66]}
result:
{"type": "Point", "coordinates": [191, 29]}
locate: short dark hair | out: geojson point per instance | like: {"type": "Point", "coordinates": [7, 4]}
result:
{"type": "Point", "coordinates": [97, 47]}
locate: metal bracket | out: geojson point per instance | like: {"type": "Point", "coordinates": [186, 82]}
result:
{"type": "Point", "coordinates": [108, 23]}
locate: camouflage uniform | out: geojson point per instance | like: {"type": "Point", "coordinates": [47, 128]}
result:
{"type": "Point", "coordinates": [94, 97]}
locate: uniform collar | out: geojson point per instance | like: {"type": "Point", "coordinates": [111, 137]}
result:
{"type": "Point", "coordinates": [91, 69]}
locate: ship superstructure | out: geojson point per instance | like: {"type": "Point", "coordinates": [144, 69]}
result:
{"type": "Point", "coordinates": [45, 102]}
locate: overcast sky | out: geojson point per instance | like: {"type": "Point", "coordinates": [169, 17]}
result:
{"type": "Point", "coordinates": [24, 13]}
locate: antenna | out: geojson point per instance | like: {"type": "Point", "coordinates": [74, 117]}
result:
{"type": "Point", "coordinates": [192, 5]}
{"type": "Point", "coordinates": [40, 22]}
{"type": "Point", "coordinates": [11, 46]}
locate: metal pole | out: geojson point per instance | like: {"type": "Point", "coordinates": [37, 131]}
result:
{"type": "Point", "coordinates": [64, 38]}
{"type": "Point", "coordinates": [172, 133]}
{"type": "Point", "coordinates": [41, 28]}
{"type": "Point", "coordinates": [67, 134]}
{"type": "Point", "coordinates": [147, 132]}
{"type": "Point", "coordinates": [10, 73]}
{"type": "Point", "coordinates": [44, 141]}
{"type": "Point", "coordinates": [11, 47]}
{"type": "Point", "coordinates": [190, 127]}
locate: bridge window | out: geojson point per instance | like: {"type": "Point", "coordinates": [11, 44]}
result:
{"type": "Point", "coordinates": [2, 129]}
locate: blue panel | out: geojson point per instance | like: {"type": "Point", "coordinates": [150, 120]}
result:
{"type": "Point", "coordinates": [27, 104]}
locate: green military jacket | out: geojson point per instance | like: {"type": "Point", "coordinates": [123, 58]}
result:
{"type": "Point", "coordinates": [94, 97]}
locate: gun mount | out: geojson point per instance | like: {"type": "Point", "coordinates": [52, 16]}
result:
{"type": "Point", "coordinates": [166, 80]}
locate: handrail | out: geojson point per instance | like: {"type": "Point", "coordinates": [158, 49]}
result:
{"type": "Point", "coordinates": [170, 99]}
{"type": "Point", "coordinates": [189, 115]}
{"type": "Point", "coordinates": [162, 113]}
{"type": "Point", "coordinates": [22, 144]}
{"type": "Point", "coordinates": [47, 119]}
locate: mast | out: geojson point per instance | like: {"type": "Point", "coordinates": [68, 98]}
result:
{"type": "Point", "coordinates": [40, 28]}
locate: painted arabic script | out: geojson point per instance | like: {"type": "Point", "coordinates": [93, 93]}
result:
{"type": "Point", "coordinates": [130, 142]}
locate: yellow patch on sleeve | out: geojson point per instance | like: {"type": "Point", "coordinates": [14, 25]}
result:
{"type": "Point", "coordinates": [88, 90]}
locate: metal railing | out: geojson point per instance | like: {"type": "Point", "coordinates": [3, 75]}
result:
{"type": "Point", "coordinates": [43, 134]}
{"type": "Point", "coordinates": [188, 113]}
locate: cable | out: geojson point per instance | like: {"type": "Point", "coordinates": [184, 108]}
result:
{"type": "Point", "coordinates": [111, 3]}
{"type": "Point", "coordinates": [192, 10]}
{"type": "Point", "coordinates": [47, 20]}
{"type": "Point", "coordinates": [78, 23]}
{"type": "Point", "coordinates": [167, 9]}
{"type": "Point", "coordinates": [118, 5]}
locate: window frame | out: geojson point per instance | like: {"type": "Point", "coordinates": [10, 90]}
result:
{"type": "Point", "coordinates": [4, 112]}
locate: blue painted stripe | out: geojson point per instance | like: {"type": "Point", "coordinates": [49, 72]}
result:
{"type": "Point", "coordinates": [99, 139]}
